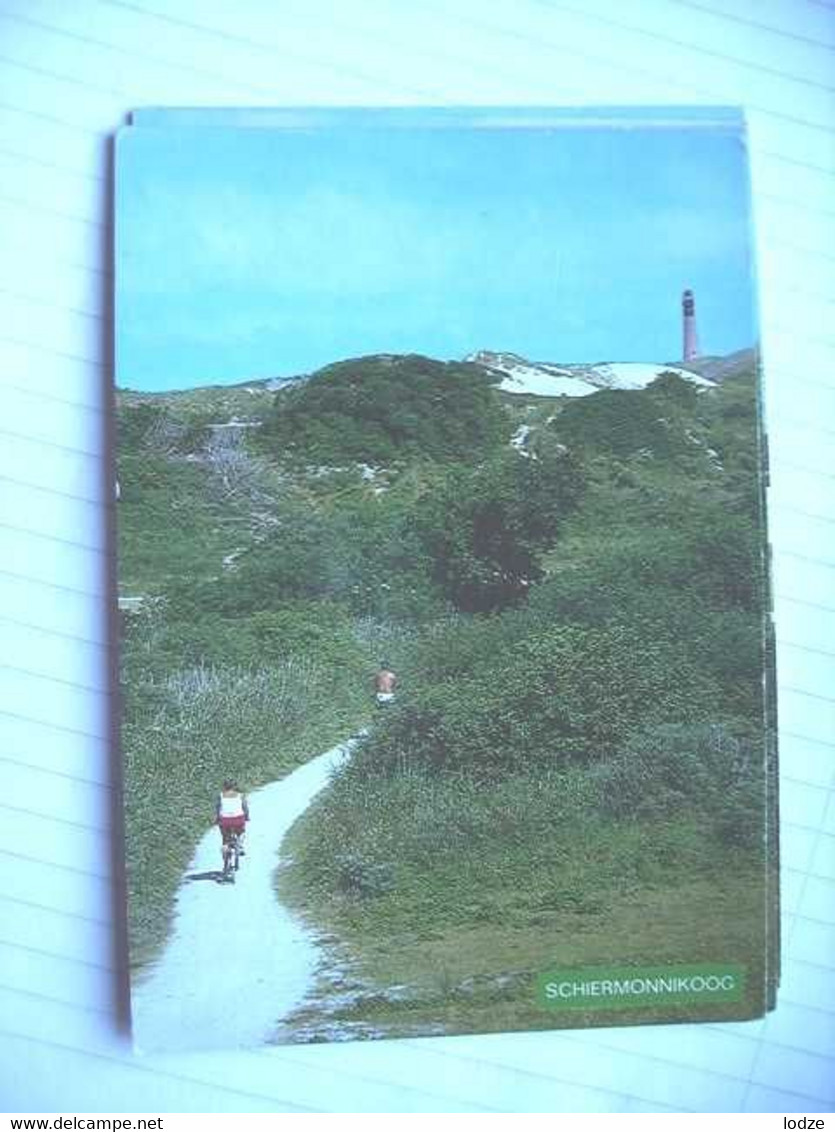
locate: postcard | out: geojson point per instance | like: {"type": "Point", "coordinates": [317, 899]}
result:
{"type": "Point", "coordinates": [446, 663]}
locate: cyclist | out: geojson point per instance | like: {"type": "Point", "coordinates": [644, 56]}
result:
{"type": "Point", "coordinates": [231, 814]}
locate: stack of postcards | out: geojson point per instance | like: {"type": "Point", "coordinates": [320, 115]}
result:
{"type": "Point", "coordinates": [446, 654]}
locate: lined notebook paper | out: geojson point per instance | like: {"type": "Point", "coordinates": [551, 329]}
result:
{"type": "Point", "coordinates": [70, 74]}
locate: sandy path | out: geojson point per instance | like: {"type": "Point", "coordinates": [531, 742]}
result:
{"type": "Point", "coordinates": [237, 962]}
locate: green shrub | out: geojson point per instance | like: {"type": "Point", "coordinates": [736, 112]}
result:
{"type": "Point", "coordinates": [714, 770]}
{"type": "Point", "coordinates": [621, 423]}
{"type": "Point", "coordinates": [485, 529]}
{"type": "Point", "coordinates": [158, 643]}
{"type": "Point", "coordinates": [566, 694]}
{"type": "Point", "coordinates": [707, 556]}
{"type": "Point", "coordinates": [381, 409]}
{"type": "Point", "coordinates": [670, 387]}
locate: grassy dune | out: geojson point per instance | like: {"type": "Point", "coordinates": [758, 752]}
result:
{"type": "Point", "coordinates": [447, 902]}
{"type": "Point", "coordinates": [573, 774]}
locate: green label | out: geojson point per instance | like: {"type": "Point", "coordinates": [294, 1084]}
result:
{"type": "Point", "coordinates": [623, 988]}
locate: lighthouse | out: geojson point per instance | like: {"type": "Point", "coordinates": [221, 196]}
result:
{"type": "Point", "coordinates": [690, 348]}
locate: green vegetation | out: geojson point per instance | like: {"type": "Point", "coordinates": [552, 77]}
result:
{"type": "Point", "coordinates": [574, 769]}
{"type": "Point", "coordinates": [486, 527]}
{"type": "Point", "coordinates": [385, 408]}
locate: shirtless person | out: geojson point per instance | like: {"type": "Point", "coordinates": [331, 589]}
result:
{"type": "Point", "coordinates": [384, 684]}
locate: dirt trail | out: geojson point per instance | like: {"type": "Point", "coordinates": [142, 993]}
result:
{"type": "Point", "coordinates": [237, 962]}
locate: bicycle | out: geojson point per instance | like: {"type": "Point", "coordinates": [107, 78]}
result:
{"type": "Point", "coordinates": [231, 856]}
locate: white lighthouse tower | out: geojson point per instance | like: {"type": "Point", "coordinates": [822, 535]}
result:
{"type": "Point", "coordinates": [690, 348]}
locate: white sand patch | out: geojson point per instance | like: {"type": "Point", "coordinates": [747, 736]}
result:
{"type": "Point", "coordinates": [540, 383]}
{"type": "Point", "coordinates": [547, 379]}
{"type": "Point", "coordinates": [638, 375]}
{"type": "Point", "coordinates": [520, 437]}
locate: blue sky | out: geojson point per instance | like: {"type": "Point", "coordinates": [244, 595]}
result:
{"type": "Point", "coordinates": [247, 253]}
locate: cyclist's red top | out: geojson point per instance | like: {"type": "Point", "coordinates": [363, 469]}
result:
{"type": "Point", "coordinates": [232, 811]}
